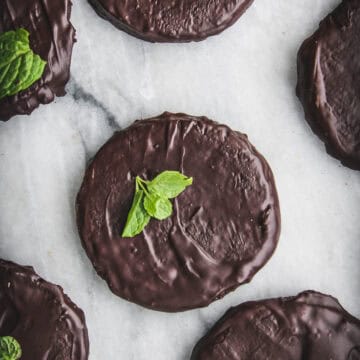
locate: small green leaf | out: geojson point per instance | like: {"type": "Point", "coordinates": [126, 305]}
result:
{"type": "Point", "coordinates": [157, 207]}
{"type": "Point", "coordinates": [137, 218]}
{"type": "Point", "coordinates": [169, 184]}
{"type": "Point", "coordinates": [19, 66]}
{"type": "Point", "coordinates": [12, 45]}
{"type": "Point", "coordinates": [11, 74]}
{"type": "Point", "coordinates": [37, 69]}
{"type": "Point", "coordinates": [152, 200]}
{"type": "Point", "coordinates": [9, 348]}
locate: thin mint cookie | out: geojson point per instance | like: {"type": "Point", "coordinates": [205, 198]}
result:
{"type": "Point", "coordinates": [171, 21]}
{"type": "Point", "coordinates": [38, 317]}
{"type": "Point", "coordinates": [309, 326]}
{"type": "Point", "coordinates": [328, 82]}
{"type": "Point", "coordinates": [50, 38]}
{"type": "Point", "coordinates": [176, 211]}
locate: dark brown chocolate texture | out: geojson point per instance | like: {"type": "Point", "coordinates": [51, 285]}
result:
{"type": "Point", "coordinates": [52, 37]}
{"type": "Point", "coordinates": [40, 316]}
{"type": "Point", "coordinates": [223, 229]}
{"type": "Point", "coordinates": [310, 326]}
{"type": "Point", "coordinates": [171, 21]}
{"type": "Point", "coordinates": [329, 82]}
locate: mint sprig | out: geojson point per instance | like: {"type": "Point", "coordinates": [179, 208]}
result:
{"type": "Point", "coordinates": [138, 218]}
{"type": "Point", "coordinates": [9, 348]}
{"type": "Point", "coordinates": [152, 200]}
{"type": "Point", "coordinates": [20, 67]}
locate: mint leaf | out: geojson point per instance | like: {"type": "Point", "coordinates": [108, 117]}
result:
{"type": "Point", "coordinates": [152, 200]}
{"type": "Point", "coordinates": [13, 44]}
{"type": "Point", "coordinates": [157, 207]}
{"type": "Point", "coordinates": [137, 218]}
{"type": "Point", "coordinates": [9, 348]}
{"type": "Point", "coordinates": [169, 184]}
{"type": "Point", "coordinates": [19, 66]}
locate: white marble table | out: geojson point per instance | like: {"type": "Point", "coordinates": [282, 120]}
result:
{"type": "Point", "coordinates": [245, 78]}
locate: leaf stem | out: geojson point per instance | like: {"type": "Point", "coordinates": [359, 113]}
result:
{"type": "Point", "coordinates": [140, 182]}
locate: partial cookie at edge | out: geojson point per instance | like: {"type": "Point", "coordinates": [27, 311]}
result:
{"type": "Point", "coordinates": [310, 326]}
{"type": "Point", "coordinates": [46, 323]}
{"type": "Point", "coordinates": [328, 82]}
{"type": "Point", "coordinates": [52, 37]}
{"type": "Point", "coordinates": [181, 21]}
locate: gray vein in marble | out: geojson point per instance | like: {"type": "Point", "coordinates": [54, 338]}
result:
{"type": "Point", "coordinates": [86, 148]}
{"type": "Point", "coordinates": [77, 92]}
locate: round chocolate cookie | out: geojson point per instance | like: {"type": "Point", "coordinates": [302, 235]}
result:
{"type": "Point", "coordinates": [310, 326]}
{"type": "Point", "coordinates": [52, 37]}
{"type": "Point", "coordinates": [328, 82]}
{"type": "Point", "coordinates": [171, 21]}
{"type": "Point", "coordinates": [223, 229]}
{"type": "Point", "coordinates": [40, 316]}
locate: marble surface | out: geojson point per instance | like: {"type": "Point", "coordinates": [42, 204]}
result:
{"type": "Point", "coordinates": [245, 78]}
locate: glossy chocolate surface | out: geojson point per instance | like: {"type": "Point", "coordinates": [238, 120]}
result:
{"type": "Point", "coordinates": [329, 85]}
{"type": "Point", "coordinates": [171, 21]}
{"type": "Point", "coordinates": [310, 326]}
{"type": "Point", "coordinates": [40, 316]}
{"type": "Point", "coordinates": [52, 37]}
{"type": "Point", "coordinates": [223, 229]}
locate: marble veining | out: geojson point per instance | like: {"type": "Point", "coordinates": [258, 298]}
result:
{"type": "Point", "coordinates": [77, 92]}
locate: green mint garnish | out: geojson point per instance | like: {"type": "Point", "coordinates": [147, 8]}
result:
{"type": "Point", "coordinates": [158, 207]}
{"type": "Point", "coordinates": [138, 218]}
{"type": "Point", "coordinates": [151, 199]}
{"type": "Point", "coordinates": [19, 66]}
{"type": "Point", "coordinates": [9, 348]}
{"type": "Point", "coordinates": [169, 184]}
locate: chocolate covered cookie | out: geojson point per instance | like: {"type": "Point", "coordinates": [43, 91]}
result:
{"type": "Point", "coordinates": [171, 21]}
{"type": "Point", "coordinates": [42, 319]}
{"type": "Point", "coordinates": [51, 37]}
{"type": "Point", "coordinates": [310, 326]}
{"type": "Point", "coordinates": [222, 229]}
{"type": "Point", "coordinates": [328, 82]}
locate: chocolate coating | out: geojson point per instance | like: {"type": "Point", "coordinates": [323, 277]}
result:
{"type": "Point", "coordinates": [52, 37]}
{"type": "Point", "coordinates": [223, 229]}
{"type": "Point", "coordinates": [310, 326]}
{"type": "Point", "coordinates": [40, 316]}
{"type": "Point", "coordinates": [171, 21]}
{"type": "Point", "coordinates": [328, 82]}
